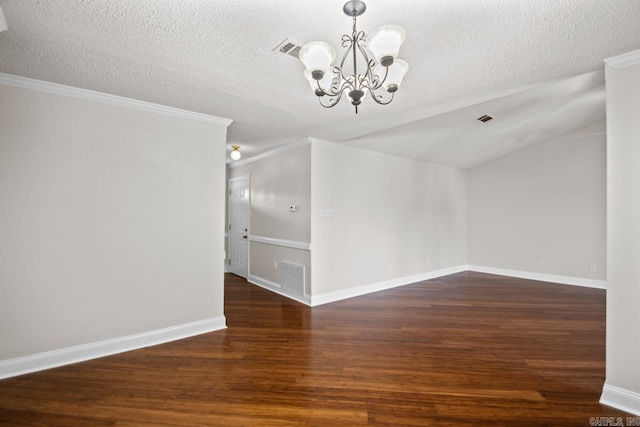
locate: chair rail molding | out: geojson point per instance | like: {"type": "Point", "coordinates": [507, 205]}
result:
{"type": "Point", "coordinates": [281, 242]}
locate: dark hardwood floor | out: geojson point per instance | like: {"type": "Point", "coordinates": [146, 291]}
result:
{"type": "Point", "coordinates": [469, 349]}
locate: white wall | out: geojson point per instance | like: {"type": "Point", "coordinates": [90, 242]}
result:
{"type": "Point", "coordinates": [622, 388]}
{"type": "Point", "coordinates": [394, 219]}
{"type": "Point", "coordinates": [111, 221]}
{"type": "Point", "coordinates": [278, 181]}
{"type": "Point", "coordinates": [545, 202]}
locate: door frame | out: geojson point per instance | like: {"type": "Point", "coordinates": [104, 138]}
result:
{"type": "Point", "coordinates": [228, 225]}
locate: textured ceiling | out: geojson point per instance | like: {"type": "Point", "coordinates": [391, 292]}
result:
{"type": "Point", "coordinates": [458, 139]}
{"type": "Point", "coordinates": [215, 57]}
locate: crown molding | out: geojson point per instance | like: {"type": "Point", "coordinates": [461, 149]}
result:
{"type": "Point", "coordinates": [120, 101]}
{"type": "Point", "coordinates": [269, 153]}
{"type": "Point", "coordinates": [625, 60]}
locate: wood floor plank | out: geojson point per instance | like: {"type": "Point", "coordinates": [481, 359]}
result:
{"type": "Point", "coordinates": [466, 349]}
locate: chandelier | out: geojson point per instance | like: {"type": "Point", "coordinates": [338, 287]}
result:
{"type": "Point", "coordinates": [330, 82]}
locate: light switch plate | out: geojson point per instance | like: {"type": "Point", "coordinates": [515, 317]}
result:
{"type": "Point", "coordinates": [326, 213]}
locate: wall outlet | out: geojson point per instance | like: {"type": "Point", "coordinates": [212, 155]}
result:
{"type": "Point", "coordinates": [593, 268]}
{"type": "Point", "coordinates": [275, 265]}
{"type": "Point", "coordinates": [427, 261]}
{"type": "Point", "coordinates": [541, 262]}
{"type": "Point", "coordinates": [389, 268]}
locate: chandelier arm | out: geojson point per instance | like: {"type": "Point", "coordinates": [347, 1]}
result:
{"type": "Point", "coordinates": [346, 51]}
{"type": "Point", "coordinates": [373, 81]}
{"type": "Point", "coordinates": [334, 90]}
{"type": "Point", "coordinates": [355, 63]}
{"type": "Point", "coordinates": [376, 82]}
{"type": "Point", "coordinates": [379, 98]}
{"type": "Point", "coordinates": [355, 41]}
{"type": "Point", "coordinates": [335, 93]}
{"type": "Point", "coordinates": [360, 42]}
{"type": "Point", "coordinates": [346, 41]}
{"type": "Point", "coordinates": [333, 101]}
{"type": "Point", "coordinates": [331, 91]}
{"type": "Point", "coordinates": [346, 85]}
{"type": "Point", "coordinates": [345, 81]}
{"type": "Point", "coordinates": [370, 66]}
{"type": "Point", "coordinates": [320, 88]}
{"type": "Point", "coordinates": [363, 81]}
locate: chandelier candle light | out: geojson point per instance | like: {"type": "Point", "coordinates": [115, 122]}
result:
{"type": "Point", "coordinates": [386, 71]}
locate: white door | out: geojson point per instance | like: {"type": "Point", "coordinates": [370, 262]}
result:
{"type": "Point", "coordinates": [239, 226]}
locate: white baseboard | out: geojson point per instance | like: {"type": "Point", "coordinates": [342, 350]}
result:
{"type": "Point", "coordinates": [273, 287]}
{"type": "Point", "coordinates": [565, 280]}
{"type": "Point", "coordinates": [66, 356]}
{"type": "Point", "coordinates": [329, 297]}
{"type": "Point", "coordinates": [619, 398]}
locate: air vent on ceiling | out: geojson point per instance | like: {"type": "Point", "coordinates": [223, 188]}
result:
{"type": "Point", "coordinates": [288, 48]}
{"type": "Point", "coordinates": [484, 119]}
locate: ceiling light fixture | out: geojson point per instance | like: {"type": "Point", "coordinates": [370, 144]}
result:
{"type": "Point", "coordinates": [385, 71]}
{"type": "Point", "coordinates": [235, 153]}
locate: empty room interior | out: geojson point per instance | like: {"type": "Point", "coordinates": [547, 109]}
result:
{"type": "Point", "coordinates": [272, 213]}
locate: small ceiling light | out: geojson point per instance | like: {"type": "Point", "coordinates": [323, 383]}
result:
{"type": "Point", "coordinates": [3, 22]}
{"type": "Point", "coordinates": [235, 153]}
{"type": "Point", "coordinates": [385, 71]}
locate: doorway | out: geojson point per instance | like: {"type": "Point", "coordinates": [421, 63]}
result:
{"type": "Point", "coordinates": [239, 212]}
